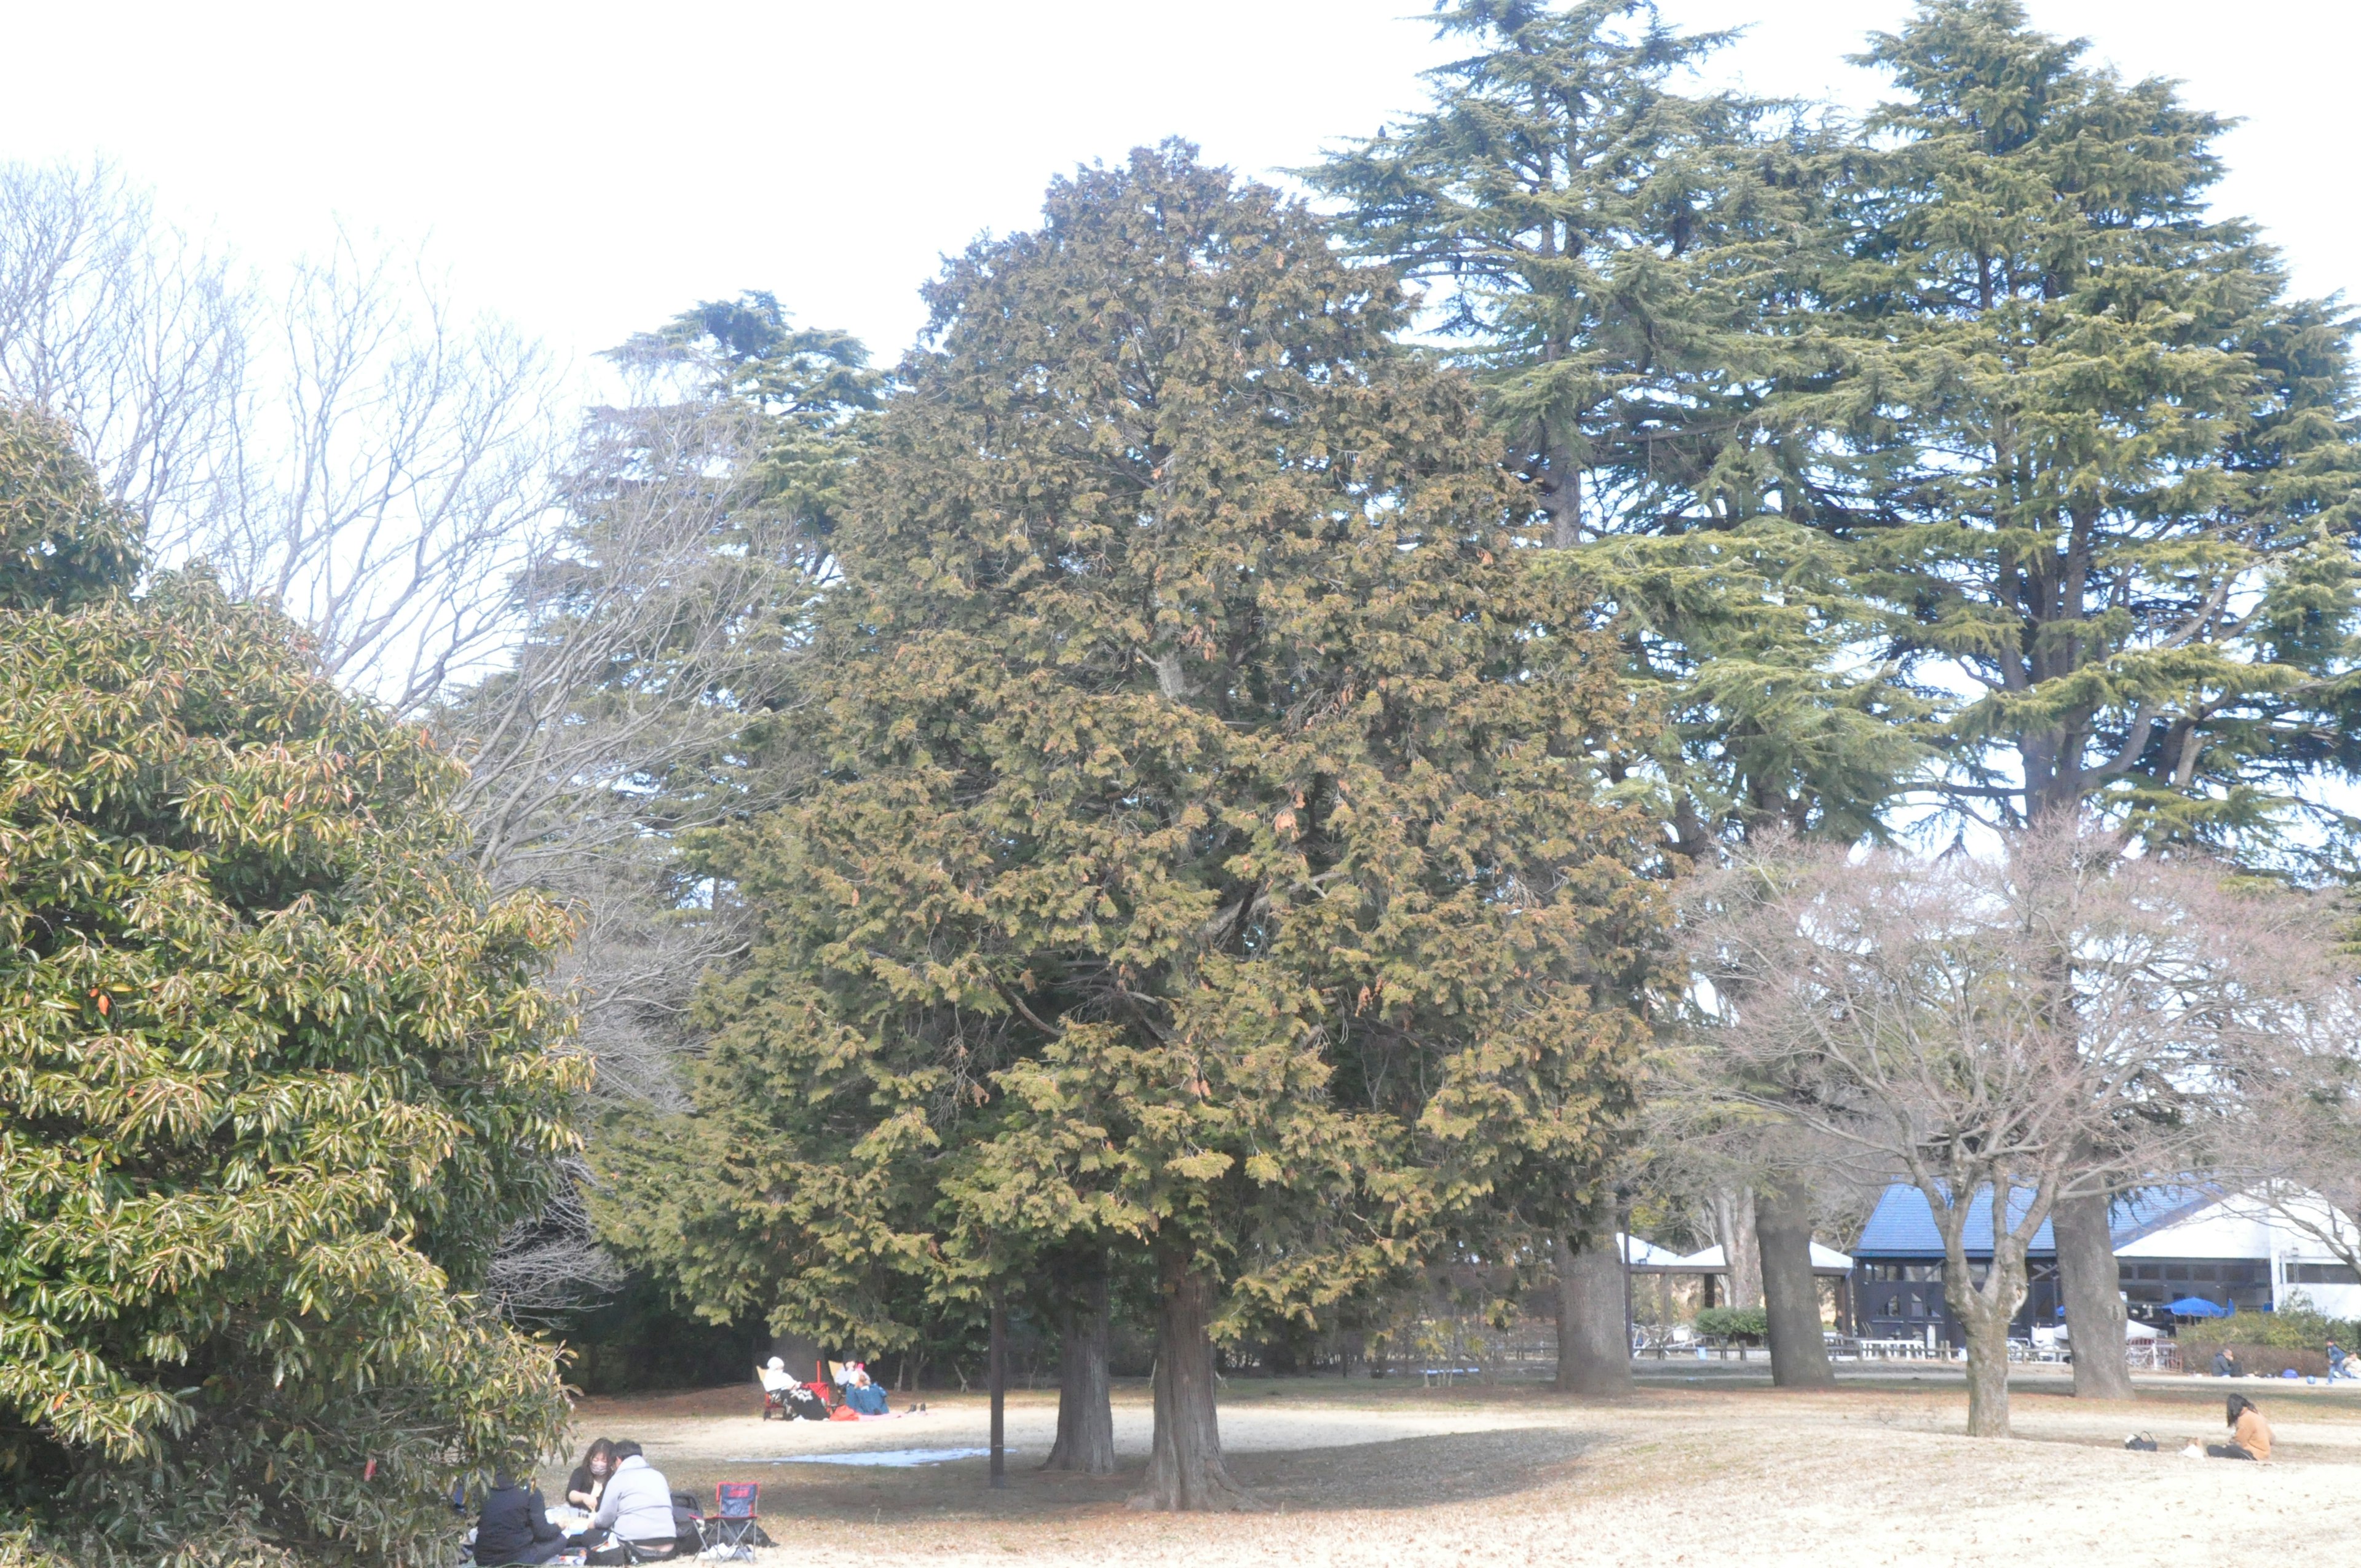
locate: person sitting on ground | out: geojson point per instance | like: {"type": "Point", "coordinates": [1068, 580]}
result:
{"type": "Point", "coordinates": [2335, 1361]}
{"type": "Point", "coordinates": [514, 1527]}
{"type": "Point", "coordinates": [2250, 1434]}
{"type": "Point", "coordinates": [636, 1507]}
{"type": "Point", "coordinates": [864, 1397]}
{"type": "Point", "coordinates": [589, 1477]}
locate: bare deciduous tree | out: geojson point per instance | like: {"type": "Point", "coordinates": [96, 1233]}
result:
{"type": "Point", "coordinates": [396, 479]}
{"type": "Point", "coordinates": [2292, 1143]}
{"type": "Point", "coordinates": [1976, 1024]}
{"type": "Point", "coordinates": [137, 333]}
{"type": "Point", "coordinates": [345, 444]}
{"type": "Point", "coordinates": [663, 630]}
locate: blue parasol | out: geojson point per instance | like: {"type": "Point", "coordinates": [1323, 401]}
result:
{"type": "Point", "coordinates": [2195, 1306]}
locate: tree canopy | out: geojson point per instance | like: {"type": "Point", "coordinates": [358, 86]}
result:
{"type": "Point", "coordinates": [2094, 462]}
{"type": "Point", "coordinates": [1212, 855]}
{"type": "Point", "coordinates": [1620, 267]}
{"type": "Point", "coordinates": [275, 1073]}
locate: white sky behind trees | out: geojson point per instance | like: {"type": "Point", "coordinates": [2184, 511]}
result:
{"type": "Point", "coordinates": [588, 169]}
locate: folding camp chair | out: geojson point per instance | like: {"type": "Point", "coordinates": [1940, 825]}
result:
{"type": "Point", "coordinates": [734, 1525]}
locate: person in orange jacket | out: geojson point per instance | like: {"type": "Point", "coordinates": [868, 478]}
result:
{"type": "Point", "coordinates": [2250, 1434]}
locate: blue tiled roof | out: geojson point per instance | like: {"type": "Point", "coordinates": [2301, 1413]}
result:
{"type": "Point", "coordinates": [1904, 1227]}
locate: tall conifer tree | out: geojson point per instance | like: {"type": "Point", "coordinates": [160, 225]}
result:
{"type": "Point", "coordinates": [1620, 266]}
{"type": "Point", "coordinates": [1586, 231]}
{"type": "Point", "coordinates": [2099, 468]}
{"type": "Point", "coordinates": [2096, 467]}
{"type": "Point", "coordinates": [1213, 860]}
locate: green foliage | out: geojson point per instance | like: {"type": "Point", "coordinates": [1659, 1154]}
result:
{"type": "Point", "coordinates": [2295, 1325]}
{"type": "Point", "coordinates": [1748, 639]}
{"type": "Point", "coordinates": [1621, 262]}
{"type": "Point", "coordinates": [1597, 238]}
{"type": "Point", "coordinates": [810, 386]}
{"type": "Point", "coordinates": [2096, 467]}
{"type": "Point", "coordinates": [1211, 860]}
{"type": "Point", "coordinates": [1733, 1322]}
{"type": "Point", "coordinates": [61, 542]}
{"type": "Point", "coordinates": [274, 1074]}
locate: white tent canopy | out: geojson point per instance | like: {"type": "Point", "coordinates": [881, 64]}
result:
{"type": "Point", "coordinates": [1643, 1253]}
{"type": "Point", "coordinates": [1825, 1260]}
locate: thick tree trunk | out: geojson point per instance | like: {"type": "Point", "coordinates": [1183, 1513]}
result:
{"type": "Point", "coordinates": [1984, 1310]}
{"type": "Point", "coordinates": [1085, 1419]}
{"type": "Point", "coordinates": [1184, 1462]}
{"type": "Point", "coordinates": [1741, 1251]}
{"type": "Point", "coordinates": [2090, 1278]}
{"type": "Point", "coordinates": [1987, 1334]}
{"type": "Point", "coordinates": [1593, 1354]}
{"type": "Point", "coordinates": [1791, 1297]}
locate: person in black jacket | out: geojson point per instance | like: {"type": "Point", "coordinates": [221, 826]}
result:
{"type": "Point", "coordinates": [514, 1527]}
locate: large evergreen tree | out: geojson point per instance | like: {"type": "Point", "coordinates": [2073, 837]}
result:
{"type": "Point", "coordinates": [275, 1074]}
{"type": "Point", "coordinates": [2099, 468]}
{"type": "Point", "coordinates": [1594, 240]}
{"type": "Point", "coordinates": [2096, 468]}
{"type": "Point", "coordinates": [1213, 860]}
{"type": "Point", "coordinates": [1623, 267]}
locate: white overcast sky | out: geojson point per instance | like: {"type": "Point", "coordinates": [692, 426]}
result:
{"type": "Point", "coordinates": [588, 168]}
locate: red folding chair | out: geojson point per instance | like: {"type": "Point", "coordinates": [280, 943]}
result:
{"type": "Point", "coordinates": [736, 1522]}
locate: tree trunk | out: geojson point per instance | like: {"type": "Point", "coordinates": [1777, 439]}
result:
{"type": "Point", "coordinates": [1184, 1462]}
{"type": "Point", "coordinates": [1987, 1334]}
{"type": "Point", "coordinates": [1593, 1354]}
{"type": "Point", "coordinates": [2091, 1281]}
{"type": "Point", "coordinates": [1085, 1419]}
{"type": "Point", "coordinates": [997, 1375]}
{"type": "Point", "coordinates": [1984, 1310]}
{"type": "Point", "coordinates": [1561, 486]}
{"type": "Point", "coordinates": [1734, 1218]}
{"type": "Point", "coordinates": [1791, 1296]}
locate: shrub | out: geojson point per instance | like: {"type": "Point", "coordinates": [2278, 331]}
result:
{"type": "Point", "coordinates": [1748, 1324]}
{"type": "Point", "coordinates": [274, 1075]}
{"type": "Point", "coordinates": [2267, 1343]}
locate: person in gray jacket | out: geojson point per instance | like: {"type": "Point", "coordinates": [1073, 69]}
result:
{"type": "Point", "coordinates": [636, 1507]}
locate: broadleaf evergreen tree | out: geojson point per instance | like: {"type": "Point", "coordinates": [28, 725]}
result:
{"type": "Point", "coordinates": [275, 1074]}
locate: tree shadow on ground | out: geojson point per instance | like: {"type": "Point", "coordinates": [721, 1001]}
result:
{"type": "Point", "coordinates": [1411, 1472]}
{"type": "Point", "coordinates": [1403, 1473]}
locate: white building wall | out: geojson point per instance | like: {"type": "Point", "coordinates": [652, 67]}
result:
{"type": "Point", "coordinates": [2290, 1230]}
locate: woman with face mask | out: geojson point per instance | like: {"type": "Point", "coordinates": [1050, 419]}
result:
{"type": "Point", "coordinates": [588, 1480]}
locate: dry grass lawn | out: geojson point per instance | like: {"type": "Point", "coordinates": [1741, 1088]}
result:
{"type": "Point", "coordinates": [1713, 1468]}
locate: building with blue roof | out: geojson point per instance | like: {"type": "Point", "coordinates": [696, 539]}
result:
{"type": "Point", "coordinates": [2172, 1240]}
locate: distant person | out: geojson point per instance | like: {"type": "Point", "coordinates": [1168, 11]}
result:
{"type": "Point", "coordinates": [2226, 1363]}
{"type": "Point", "coordinates": [865, 1397]}
{"type": "Point", "coordinates": [2250, 1434]}
{"type": "Point", "coordinates": [776, 1385]}
{"type": "Point", "coordinates": [637, 1507]}
{"type": "Point", "coordinates": [514, 1527]}
{"type": "Point", "coordinates": [2335, 1361]}
{"type": "Point", "coordinates": [589, 1477]}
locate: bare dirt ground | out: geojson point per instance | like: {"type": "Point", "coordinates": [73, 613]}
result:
{"type": "Point", "coordinates": [1711, 1468]}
